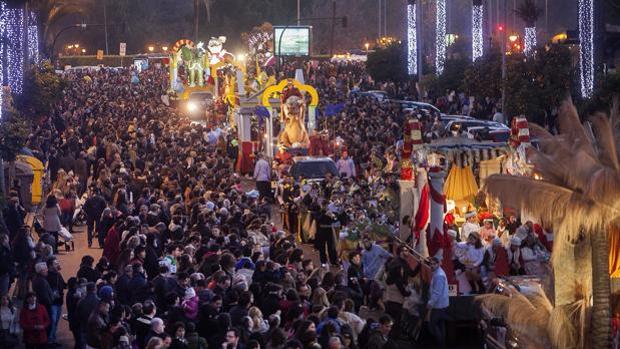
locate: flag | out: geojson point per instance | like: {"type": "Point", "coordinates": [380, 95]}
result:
{"type": "Point", "coordinates": [333, 109]}
{"type": "Point", "coordinates": [261, 112]}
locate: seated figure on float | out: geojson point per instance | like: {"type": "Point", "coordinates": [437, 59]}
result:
{"type": "Point", "coordinates": [293, 139]}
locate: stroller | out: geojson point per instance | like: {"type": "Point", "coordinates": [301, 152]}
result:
{"type": "Point", "coordinates": [65, 238]}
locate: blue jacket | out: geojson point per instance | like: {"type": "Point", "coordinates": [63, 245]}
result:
{"type": "Point", "coordinates": [373, 259]}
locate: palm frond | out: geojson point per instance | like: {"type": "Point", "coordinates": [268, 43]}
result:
{"type": "Point", "coordinates": [528, 12]}
{"type": "Point", "coordinates": [607, 152]}
{"type": "Point", "coordinates": [568, 210]}
{"type": "Point", "coordinates": [571, 127]}
{"type": "Point", "coordinates": [525, 319]}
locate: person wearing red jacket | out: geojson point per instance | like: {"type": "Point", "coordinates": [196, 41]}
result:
{"type": "Point", "coordinates": [34, 320]}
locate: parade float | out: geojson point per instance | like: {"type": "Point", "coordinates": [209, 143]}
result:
{"type": "Point", "coordinates": [205, 68]}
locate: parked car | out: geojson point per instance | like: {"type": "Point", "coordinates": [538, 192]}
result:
{"type": "Point", "coordinates": [376, 94]}
{"type": "Point", "coordinates": [416, 106]}
{"type": "Point", "coordinates": [312, 168]}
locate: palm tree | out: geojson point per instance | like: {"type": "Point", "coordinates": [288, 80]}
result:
{"type": "Point", "coordinates": [207, 4]}
{"type": "Point", "coordinates": [579, 193]}
{"type": "Point", "coordinates": [50, 11]}
{"type": "Point", "coordinates": [529, 13]}
{"type": "Point", "coordinates": [534, 322]}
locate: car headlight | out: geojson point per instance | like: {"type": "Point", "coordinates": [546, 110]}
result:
{"type": "Point", "coordinates": [192, 106]}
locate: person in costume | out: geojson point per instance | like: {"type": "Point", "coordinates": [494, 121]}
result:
{"type": "Point", "coordinates": [471, 259]}
{"type": "Point", "coordinates": [487, 232]}
{"type": "Point", "coordinates": [471, 224]}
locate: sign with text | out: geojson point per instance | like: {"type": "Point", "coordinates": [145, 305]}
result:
{"type": "Point", "coordinates": [122, 50]}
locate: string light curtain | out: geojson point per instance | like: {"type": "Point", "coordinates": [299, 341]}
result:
{"type": "Point", "coordinates": [477, 18]}
{"type": "Point", "coordinates": [33, 39]}
{"type": "Point", "coordinates": [412, 39]}
{"type": "Point", "coordinates": [586, 46]}
{"type": "Point", "coordinates": [14, 22]}
{"type": "Point", "coordinates": [440, 36]}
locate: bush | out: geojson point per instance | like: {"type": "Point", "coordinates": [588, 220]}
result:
{"type": "Point", "coordinates": [42, 90]}
{"type": "Point", "coordinates": [389, 63]}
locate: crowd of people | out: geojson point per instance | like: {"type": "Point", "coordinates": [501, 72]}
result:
{"type": "Point", "coordinates": [192, 255]}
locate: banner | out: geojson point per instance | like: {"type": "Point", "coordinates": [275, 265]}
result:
{"type": "Point", "coordinates": [333, 109]}
{"type": "Point", "coordinates": [122, 49]}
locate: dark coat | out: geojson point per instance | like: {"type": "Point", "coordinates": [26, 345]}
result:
{"type": "Point", "coordinates": [45, 294]}
{"type": "Point", "coordinates": [85, 307]}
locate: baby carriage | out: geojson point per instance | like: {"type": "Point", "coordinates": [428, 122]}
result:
{"type": "Point", "coordinates": [65, 238]}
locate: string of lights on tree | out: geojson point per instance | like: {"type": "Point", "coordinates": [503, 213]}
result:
{"type": "Point", "coordinates": [440, 36]}
{"type": "Point", "coordinates": [33, 39]}
{"type": "Point", "coordinates": [586, 46]}
{"type": "Point", "coordinates": [477, 17]}
{"type": "Point", "coordinates": [529, 40]}
{"type": "Point", "coordinates": [412, 40]}
{"type": "Point", "coordinates": [14, 22]}
{"type": "Point", "coordinates": [2, 29]}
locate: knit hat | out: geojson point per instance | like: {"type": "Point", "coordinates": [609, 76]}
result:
{"type": "Point", "coordinates": [105, 293]}
{"type": "Point", "coordinates": [210, 206]}
{"type": "Point", "coordinates": [190, 293]}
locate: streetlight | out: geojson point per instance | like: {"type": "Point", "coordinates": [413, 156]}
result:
{"type": "Point", "coordinates": [83, 51]}
{"type": "Point", "coordinates": [513, 37]}
{"type": "Point", "coordinates": [69, 47]}
{"type": "Point", "coordinates": [151, 48]}
{"type": "Point", "coordinates": [367, 45]}
{"type": "Point", "coordinates": [164, 48]}
{"type": "Point", "coordinates": [77, 45]}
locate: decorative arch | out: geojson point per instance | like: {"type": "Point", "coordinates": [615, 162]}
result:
{"type": "Point", "coordinates": [314, 101]}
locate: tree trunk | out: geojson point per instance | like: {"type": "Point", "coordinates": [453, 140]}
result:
{"type": "Point", "coordinates": [196, 19]}
{"type": "Point", "coordinates": [601, 290]}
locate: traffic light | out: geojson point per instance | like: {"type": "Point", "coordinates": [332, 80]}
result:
{"type": "Point", "coordinates": [500, 27]}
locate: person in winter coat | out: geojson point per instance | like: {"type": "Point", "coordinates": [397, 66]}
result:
{"type": "Point", "coordinates": [34, 321]}
{"type": "Point", "coordinates": [42, 288]}
{"type": "Point", "coordinates": [51, 219]}
{"type": "Point", "coordinates": [87, 271]}
{"type": "Point", "coordinates": [14, 215]}
{"type": "Point", "coordinates": [190, 304]}
{"type": "Point", "coordinates": [94, 206]}
{"type": "Point", "coordinates": [97, 323]}
{"type": "Point", "coordinates": [84, 308]}
{"type": "Point", "coordinates": [75, 292]}
{"type": "Point", "coordinates": [194, 341]}
{"type": "Point", "coordinates": [58, 286]}
{"type": "Point", "coordinates": [7, 266]}
{"type": "Point", "coordinates": [398, 273]}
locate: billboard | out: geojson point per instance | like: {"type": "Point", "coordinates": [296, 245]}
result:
{"type": "Point", "coordinates": [292, 40]}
